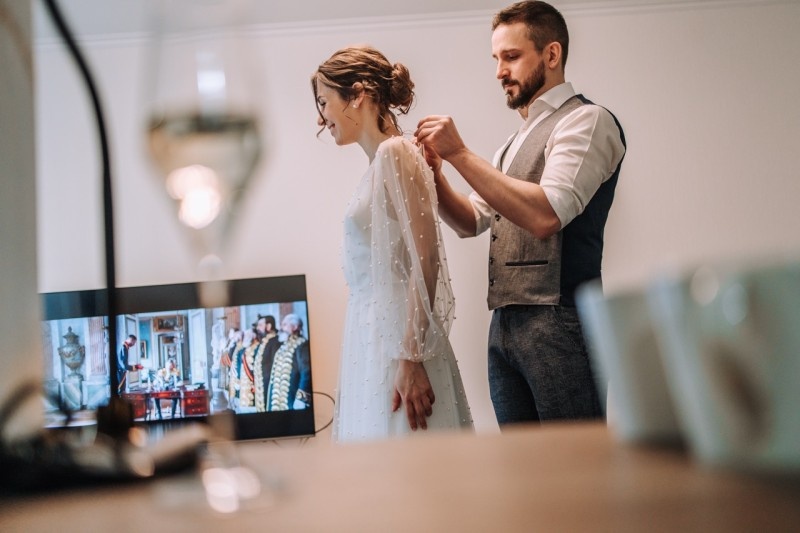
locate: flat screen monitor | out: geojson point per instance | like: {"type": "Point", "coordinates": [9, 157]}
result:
{"type": "Point", "coordinates": [179, 361]}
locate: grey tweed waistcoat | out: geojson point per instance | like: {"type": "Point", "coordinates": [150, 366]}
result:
{"type": "Point", "coordinates": [524, 270]}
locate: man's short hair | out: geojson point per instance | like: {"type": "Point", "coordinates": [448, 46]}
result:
{"type": "Point", "coordinates": [545, 24]}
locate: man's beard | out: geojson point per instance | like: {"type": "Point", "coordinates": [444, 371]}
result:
{"type": "Point", "coordinates": [527, 89]}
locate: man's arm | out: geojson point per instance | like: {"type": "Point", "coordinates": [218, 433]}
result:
{"type": "Point", "coordinates": [524, 204]}
{"type": "Point", "coordinates": [454, 208]}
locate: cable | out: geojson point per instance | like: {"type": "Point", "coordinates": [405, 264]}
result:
{"type": "Point", "coordinates": [333, 402]}
{"type": "Point", "coordinates": [304, 440]}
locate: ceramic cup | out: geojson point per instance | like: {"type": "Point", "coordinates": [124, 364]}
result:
{"type": "Point", "coordinates": [732, 346]}
{"type": "Point", "coordinates": [623, 348]}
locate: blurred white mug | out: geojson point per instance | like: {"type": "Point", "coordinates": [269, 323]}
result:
{"type": "Point", "coordinates": [625, 354]}
{"type": "Point", "coordinates": [732, 345]}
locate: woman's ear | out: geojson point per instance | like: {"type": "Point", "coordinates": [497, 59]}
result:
{"type": "Point", "coordinates": [358, 94]}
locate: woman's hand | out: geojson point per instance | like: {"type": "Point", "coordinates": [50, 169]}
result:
{"type": "Point", "coordinates": [413, 388]}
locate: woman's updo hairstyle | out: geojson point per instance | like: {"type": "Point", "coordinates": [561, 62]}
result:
{"type": "Point", "coordinates": [389, 86]}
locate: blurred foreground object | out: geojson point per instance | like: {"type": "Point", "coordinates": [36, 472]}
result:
{"type": "Point", "coordinates": [732, 346]}
{"type": "Point", "coordinates": [628, 361]}
{"type": "Point", "coordinates": [711, 356]}
{"type": "Point", "coordinates": [202, 123]}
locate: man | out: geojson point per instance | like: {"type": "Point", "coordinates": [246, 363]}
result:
{"type": "Point", "coordinates": [546, 200]}
{"type": "Point", "coordinates": [290, 378]}
{"type": "Point", "coordinates": [267, 334]}
{"type": "Point", "coordinates": [122, 362]}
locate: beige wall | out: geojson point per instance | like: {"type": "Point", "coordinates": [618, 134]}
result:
{"type": "Point", "coordinates": [705, 91]}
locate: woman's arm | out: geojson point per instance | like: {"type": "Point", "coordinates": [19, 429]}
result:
{"type": "Point", "coordinates": [415, 267]}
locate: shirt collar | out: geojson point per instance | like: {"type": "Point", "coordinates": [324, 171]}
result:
{"type": "Point", "coordinates": [552, 100]}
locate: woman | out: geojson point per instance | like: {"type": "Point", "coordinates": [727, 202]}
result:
{"type": "Point", "coordinates": [396, 360]}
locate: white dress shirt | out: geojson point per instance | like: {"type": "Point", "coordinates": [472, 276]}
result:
{"type": "Point", "coordinates": [582, 152]}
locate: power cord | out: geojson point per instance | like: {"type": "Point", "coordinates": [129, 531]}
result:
{"type": "Point", "coordinates": [304, 440]}
{"type": "Point", "coordinates": [333, 402]}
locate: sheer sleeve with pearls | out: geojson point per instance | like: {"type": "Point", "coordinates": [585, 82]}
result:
{"type": "Point", "coordinates": [412, 295]}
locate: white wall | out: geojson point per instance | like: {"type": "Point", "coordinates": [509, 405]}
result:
{"type": "Point", "coordinates": [705, 91]}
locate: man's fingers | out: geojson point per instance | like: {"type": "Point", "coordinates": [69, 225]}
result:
{"type": "Point", "coordinates": [427, 126]}
{"type": "Point", "coordinates": [422, 133]}
{"type": "Point", "coordinates": [428, 119]}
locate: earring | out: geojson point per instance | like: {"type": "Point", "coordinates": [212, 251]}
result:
{"type": "Point", "coordinates": [355, 105]}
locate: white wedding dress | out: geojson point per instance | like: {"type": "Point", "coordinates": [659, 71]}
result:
{"type": "Point", "coordinates": [393, 259]}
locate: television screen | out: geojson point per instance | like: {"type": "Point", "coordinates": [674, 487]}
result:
{"type": "Point", "coordinates": [180, 361]}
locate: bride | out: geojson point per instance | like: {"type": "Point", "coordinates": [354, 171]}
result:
{"type": "Point", "coordinates": [398, 372]}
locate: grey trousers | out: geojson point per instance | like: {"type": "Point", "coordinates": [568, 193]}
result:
{"type": "Point", "coordinates": [539, 368]}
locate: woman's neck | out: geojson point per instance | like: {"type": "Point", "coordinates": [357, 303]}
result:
{"type": "Point", "coordinates": [372, 138]}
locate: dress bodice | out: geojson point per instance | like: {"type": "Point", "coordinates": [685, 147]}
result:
{"type": "Point", "coordinates": [357, 231]}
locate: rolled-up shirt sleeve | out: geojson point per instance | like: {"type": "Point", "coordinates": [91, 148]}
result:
{"type": "Point", "coordinates": [582, 153]}
{"type": "Point", "coordinates": [483, 213]}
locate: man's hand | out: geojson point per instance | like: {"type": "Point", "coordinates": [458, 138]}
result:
{"type": "Point", "coordinates": [413, 388]}
{"type": "Point", "coordinates": [433, 160]}
{"type": "Point", "coordinates": [439, 133]}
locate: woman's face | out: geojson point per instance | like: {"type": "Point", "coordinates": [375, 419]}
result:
{"type": "Point", "coordinates": [338, 115]}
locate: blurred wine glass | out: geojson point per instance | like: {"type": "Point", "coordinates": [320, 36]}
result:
{"type": "Point", "coordinates": [202, 125]}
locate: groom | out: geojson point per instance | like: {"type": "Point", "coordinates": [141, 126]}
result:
{"type": "Point", "coordinates": [545, 199]}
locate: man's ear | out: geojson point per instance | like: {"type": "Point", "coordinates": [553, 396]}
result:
{"type": "Point", "coordinates": [552, 55]}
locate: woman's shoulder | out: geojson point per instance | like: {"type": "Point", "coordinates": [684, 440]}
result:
{"type": "Point", "coordinates": [397, 146]}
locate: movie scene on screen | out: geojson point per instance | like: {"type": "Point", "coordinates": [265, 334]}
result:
{"type": "Point", "coordinates": [251, 358]}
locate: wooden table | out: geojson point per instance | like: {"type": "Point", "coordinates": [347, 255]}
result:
{"type": "Point", "coordinates": [570, 477]}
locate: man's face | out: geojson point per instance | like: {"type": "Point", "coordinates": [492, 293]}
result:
{"type": "Point", "coordinates": [288, 327]}
{"type": "Point", "coordinates": [520, 67]}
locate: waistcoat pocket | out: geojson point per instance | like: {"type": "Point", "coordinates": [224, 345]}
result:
{"type": "Point", "coordinates": [538, 262]}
